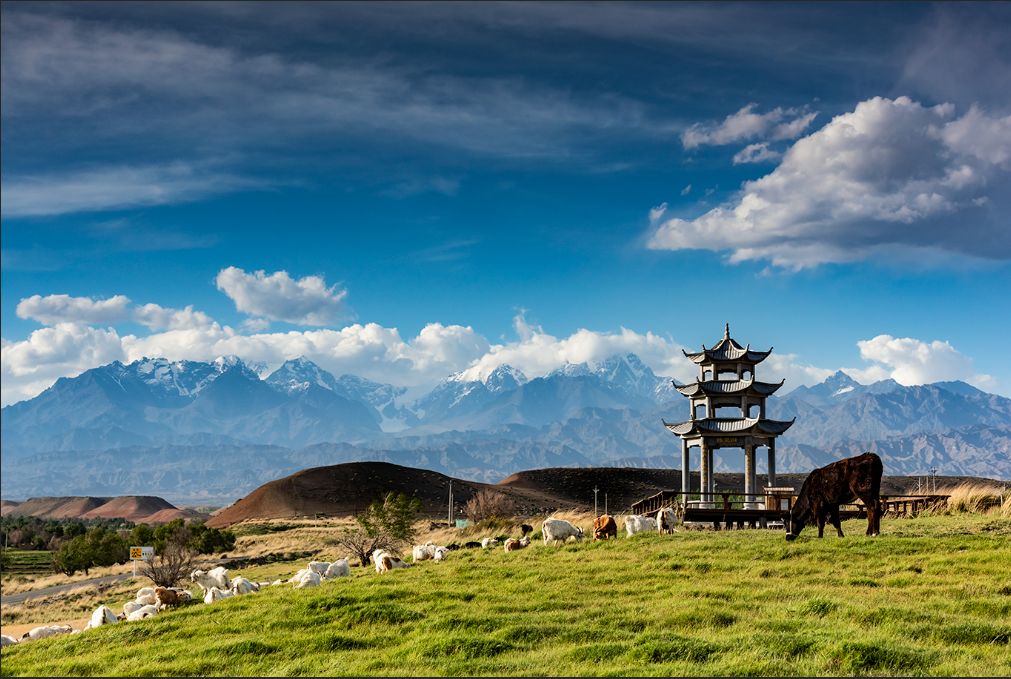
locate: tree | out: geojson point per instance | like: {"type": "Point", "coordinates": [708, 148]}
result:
{"type": "Point", "coordinates": [173, 561]}
{"type": "Point", "coordinates": [74, 555]}
{"type": "Point", "coordinates": [384, 525]}
{"type": "Point", "coordinates": [487, 504]}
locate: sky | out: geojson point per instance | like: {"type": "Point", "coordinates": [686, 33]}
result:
{"type": "Point", "coordinates": [405, 191]}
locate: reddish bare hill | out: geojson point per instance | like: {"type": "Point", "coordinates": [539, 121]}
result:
{"type": "Point", "coordinates": [349, 488]}
{"type": "Point", "coordinates": [129, 507]}
{"type": "Point", "coordinates": [136, 508]}
{"type": "Point", "coordinates": [7, 506]}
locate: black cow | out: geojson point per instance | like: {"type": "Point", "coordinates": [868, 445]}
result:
{"type": "Point", "coordinates": [835, 484]}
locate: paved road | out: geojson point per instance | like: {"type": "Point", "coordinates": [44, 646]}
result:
{"type": "Point", "coordinates": [21, 597]}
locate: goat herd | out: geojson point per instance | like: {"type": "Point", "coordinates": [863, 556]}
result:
{"type": "Point", "coordinates": [216, 583]}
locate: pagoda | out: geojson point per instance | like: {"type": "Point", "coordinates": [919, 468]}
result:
{"type": "Point", "coordinates": [727, 380]}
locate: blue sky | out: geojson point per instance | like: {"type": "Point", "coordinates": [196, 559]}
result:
{"type": "Point", "coordinates": [432, 188]}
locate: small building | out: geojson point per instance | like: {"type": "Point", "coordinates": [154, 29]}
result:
{"type": "Point", "coordinates": [727, 381]}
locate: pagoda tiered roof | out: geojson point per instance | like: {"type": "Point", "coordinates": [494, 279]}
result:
{"type": "Point", "coordinates": [726, 351]}
{"type": "Point", "coordinates": [721, 387]}
{"type": "Point", "coordinates": [729, 425]}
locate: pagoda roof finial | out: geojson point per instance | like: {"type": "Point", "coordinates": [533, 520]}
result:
{"type": "Point", "coordinates": [726, 331]}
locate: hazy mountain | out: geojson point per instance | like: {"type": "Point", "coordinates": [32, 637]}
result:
{"type": "Point", "coordinates": [191, 430]}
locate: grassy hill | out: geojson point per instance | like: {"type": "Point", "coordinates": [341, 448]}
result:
{"type": "Point", "coordinates": [930, 596]}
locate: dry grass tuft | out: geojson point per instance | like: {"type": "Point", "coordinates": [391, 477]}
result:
{"type": "Point", "coordinates": [979, 498]}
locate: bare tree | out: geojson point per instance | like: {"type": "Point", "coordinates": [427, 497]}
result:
{"type": "Point", "coordinates": [487, 504]}
{"type": "Point", "coordinates": [173, 563]}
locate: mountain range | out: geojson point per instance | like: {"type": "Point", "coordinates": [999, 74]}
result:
{"type": "Point", "coordinates": [211, 431]}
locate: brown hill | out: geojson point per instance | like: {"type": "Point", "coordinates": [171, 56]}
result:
{"type": "Point", "coordinates": [7, 505]}
{"type": "Point", "coordinates": [349, 488]}
{"type": "Point", "coordinates": [129, 507]}
{"type": "Point", "coordinates": [136, 508]}
{"type": "Point", "coordinates": [166, 515]}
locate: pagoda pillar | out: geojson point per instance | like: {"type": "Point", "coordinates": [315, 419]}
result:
{"type": "Point", "coordinates": [772, 462]}
{"type": "Point", "coordinates": [749, 476]}
{"type": "Point", "coordinates": [704, 475]}
{"type": "Point", "coordinates": [685, 470]}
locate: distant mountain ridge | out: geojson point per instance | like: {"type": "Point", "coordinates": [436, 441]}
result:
{"type": "Point", "coordinates": [138, 509]}
{"type": "Point", "coordinates": [208, 431]}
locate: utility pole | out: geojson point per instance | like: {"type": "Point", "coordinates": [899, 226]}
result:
{"type": "Point", "coordinates": [933, 479]}
{"type": "Point", "coordinates": [595, 489]}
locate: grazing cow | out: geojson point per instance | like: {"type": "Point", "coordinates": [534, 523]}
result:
{"type": "Point", "coordinates": [338, 569]}
{"type": "Point", "coordinates": [471, 545]}
{"type": "Point", "coordinates": [559, 530]}
{"type": "Point", "coordinates": [103, 615]}
{"type": "Point", "coordinates": [604, 527]}
{"type": "Point", "coordinates": [526, 529]}
{"type": "Point", "coordinates": [216, 577]}
{"type": "Point", "coordinates": [7, 641]}
{"type": "Point", "coordinates": [488, 543]}
{"type": "Point", "coordinates": [143, 612]}
{"type": "Point", "coordinates": [835, 484]}
{"type": "Point", "coordinates": [666, 520]}
{"type": "Point", "coordinates": [46, 631]}
{"type": "Point", "coordinates": [636, 524]}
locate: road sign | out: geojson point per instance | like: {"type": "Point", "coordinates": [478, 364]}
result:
{"type": "Point", "coordinates": [141, 553]}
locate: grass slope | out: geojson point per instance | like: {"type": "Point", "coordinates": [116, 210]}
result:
{"type": "Point", "coordinates": [932, 596]}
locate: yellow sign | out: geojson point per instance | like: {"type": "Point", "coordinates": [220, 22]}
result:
{"type": "Point", "coordinates": [141, 553]}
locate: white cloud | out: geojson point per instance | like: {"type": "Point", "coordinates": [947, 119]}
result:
{"type": "Point", "coordinates": [892, 178]}
{"type": "Point", "coordinates": [776, 124]}
{"type": "Point", "coordinates": [685, 191]}
{"type": "Point", "coordinates": [279, 297]}
{"type": "Point", "coordinates": [53, 309]}
{"type": "Point", "coordinates": [64, 350]}
{"type": "Point", "coordinates": [656, 213]}
{"type": "Point", "coordinates": [756, 153]}
{"type": "Point", "coordinates": [157, 317]}
{"type": "Point", "coordinates": [911, 361]}
{"type": "Point", "coordinates": [537, 353]}
{"type": "Point", "coordinates": [110, 188]}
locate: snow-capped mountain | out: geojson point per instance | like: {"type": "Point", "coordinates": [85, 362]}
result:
{"type": "Point", "coordinates": [301, 415]}
{"type": "Point", "coordinates": [298, 374]}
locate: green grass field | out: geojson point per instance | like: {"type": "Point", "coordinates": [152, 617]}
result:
{"type": "Point", "coordinates": [28, 562]}
{"type": "Point", "coordinates": [931, 596]}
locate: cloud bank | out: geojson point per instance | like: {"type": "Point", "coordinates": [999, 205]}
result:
{"type": "Point", "coordinates": [892, 178]}
{"type": "Point", "coordinates": [279, 297]}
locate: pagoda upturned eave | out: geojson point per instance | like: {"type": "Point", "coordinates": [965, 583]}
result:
{"type": "Point", "coordinates": [720, 387]}
{"type": "Point", "coordinates": [721, 425]}
{"type": "Point", "coordinates": [727, 354]}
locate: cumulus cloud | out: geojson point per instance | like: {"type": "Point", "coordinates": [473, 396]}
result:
{"type": "Point", "coordinates": [279, 297]}
{"type": "Point", "coordinates": [892, 177]}
{"type": "Point", "coordinates": [777, 124]}
{"type": "Point", "coordinates": [756, 153]}
{"type": "Point", "coordinates": [53, 309]}
{"type": "Point", "coordinates": [537, 353]}
{"type": "Point", "coordinates": [911, 361]}
{"type": "Point", "coordinates": [64, 350]}
{"type": "Point", "coordinates": [157, 317]}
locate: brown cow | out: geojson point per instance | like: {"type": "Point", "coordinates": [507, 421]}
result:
{"type": "Point", "coordinates": [604, 527]}
{"type": "Point", "coordinates": [835, 484]}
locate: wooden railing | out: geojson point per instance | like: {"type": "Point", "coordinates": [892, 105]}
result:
{"type": "Point", "coordinates": [735, 501]}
